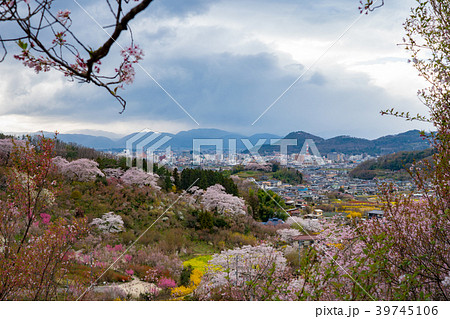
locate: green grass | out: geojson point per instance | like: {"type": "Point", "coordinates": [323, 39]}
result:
{"type": "Point", "coordinates": [200, 248]}
{"type": "Point", "coordinates": [254, 174]}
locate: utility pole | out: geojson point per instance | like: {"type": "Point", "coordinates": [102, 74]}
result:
{"type": "Point", "coordinates": [300, 245]}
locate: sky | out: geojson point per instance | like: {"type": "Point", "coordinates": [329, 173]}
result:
{"type": "Point", "coordinates": [246, 66]}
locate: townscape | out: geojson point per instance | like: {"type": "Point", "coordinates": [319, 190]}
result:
{"type": "Point", "coordinates": [156, 150]}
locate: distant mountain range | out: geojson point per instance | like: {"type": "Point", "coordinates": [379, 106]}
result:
{"type": "Point", "coordinates": [180, 141]}
{"type": "Point", "coordinates": [407, 141]}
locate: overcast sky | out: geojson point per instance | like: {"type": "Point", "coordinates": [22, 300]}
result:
{"type": "Point", "coordinates": [226, 62]}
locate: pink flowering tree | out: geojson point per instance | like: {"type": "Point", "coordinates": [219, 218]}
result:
{"type": "Point", "coordinates": [165, 283]}
{"type": "Point", "coordinates": [406, 254]}
{"type": "Point", "coordinates": [47, 41]}
{"type": "Point", "coordinates": [34, 242]}
{"type": "Point", "coordinates": [82, 169]}
{"type": "Point", "coordinates": [6, 147]}
{"type": "Point", "coordinates": [104, 256]}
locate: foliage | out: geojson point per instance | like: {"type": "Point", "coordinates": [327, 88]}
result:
{"type": "Point", "coordinates": [186, 275]}
{"type": "Point", "coordinates": [288, 175]}
{"type": "Point", "coordinates": [206, 219]}
{"type": "Point", "coordinates": [269, 205]}
{"type": "Point", "coordinates": [195, 279]}
{"type": "Point", "coordinates": [392, 162]}
{"type": "Point", "coordinates": [206, 178]}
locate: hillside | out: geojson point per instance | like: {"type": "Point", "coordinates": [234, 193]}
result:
{"type": "Point", "coordinates": [392, 165]}
{"type": "Point", "coordinates": [407, 141]}
{"type": "Point", "coordinates": [107, 208]}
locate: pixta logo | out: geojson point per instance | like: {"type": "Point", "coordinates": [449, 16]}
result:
{"type": "Point", "coordinates": [143, 145]}
{"type": "Point", "coordinates": [149, 145]}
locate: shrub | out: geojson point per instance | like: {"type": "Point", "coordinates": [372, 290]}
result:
{"type": "Point", "coordinates": [185, 275]}
{"type": "Point", "coordinates": [241, 239]}
{"type": "Point", "coordinates": [165, 283]}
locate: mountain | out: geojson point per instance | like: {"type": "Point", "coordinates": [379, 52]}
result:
{"type": "Point", "coordinates": [300, 136]}
{"type": "Point", "coordinates": [407, 141]}
{"type": "Point", "coordinates": [391, 165]}
{"type": "Point", "coordinates": [184, 139]}
{"type": "Point", "coordinates": [181, 141]}
{"type": "Point", "coordinates": [97, 142]}
{"type": "Point", "coordinates": [111, 135]}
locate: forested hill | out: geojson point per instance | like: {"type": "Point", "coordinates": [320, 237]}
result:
{"type": "Point", "coordinates": [389, 164]}
{"type": "Point", "coordinates": [407, 141]}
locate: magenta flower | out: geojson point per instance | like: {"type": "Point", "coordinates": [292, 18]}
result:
{"type": "Point", "coordinates": [166, 283]}
{"type": "Point", "coordinates": [129, 272]}
{"type": "Point", "coordinates": [45, 218]}
{"type": "Point", "coordinates": [118, 247]}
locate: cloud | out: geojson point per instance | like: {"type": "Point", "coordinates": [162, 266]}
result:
{"type": "Point", "coordinates": [225, 62]}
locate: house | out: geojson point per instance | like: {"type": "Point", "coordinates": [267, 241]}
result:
{"type": "Point", "coordinates": [375, 214]}
{"type": "Point", "coordinates": [294, 212]}
{"type": "Point", "coordinates": [274, 182]}
{"type": "Point", "coordinates": [305, 240]}
{"type": "Point", "coordinates": [265, 185]}
{"type": "Point", "coordinates": [318, 212]}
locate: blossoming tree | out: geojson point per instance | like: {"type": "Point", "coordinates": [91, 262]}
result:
{"type": "Point", "coordinates": [405, 255]}
{"type": "Point", "coordinates": [248, 273]}
{"type": "Point", "coordinates": [46, 40]}
{"type": "Point", "coordinates": [216, 199]}
{"type": "Point", "coordinates": [82, 169]}
{"type": "Point", "coordinates": [136, 176]}
{"type": "Point", "coordinates": [33, 254]}
{"type": "Point", "coordinates": [109, 223]}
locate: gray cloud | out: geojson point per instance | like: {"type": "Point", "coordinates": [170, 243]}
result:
{"type": "Point", "coordinates": [226, 69]}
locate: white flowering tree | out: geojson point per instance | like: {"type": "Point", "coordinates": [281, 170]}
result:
{"type": "Point", "coordinates": [248, 273]}
{"type": "Point", "coordinates": [306, 225]}
{"type": "Point", "coordinates": [82, 169]}
{"type": "Point", "coordinates": [266, 167]}
{"type": "Point", "coordinates": [113, 172]}
{"type": "Point", "coordinates": [109, 223]}
{"type": "Point", "coordinates": [6, 147]}
{"type": "Point", "coordinates": [216, 199]}
{"type": "Point", "coordinates": [287, 234]}
{"type": "Point", "coordinates": [135, 176]}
